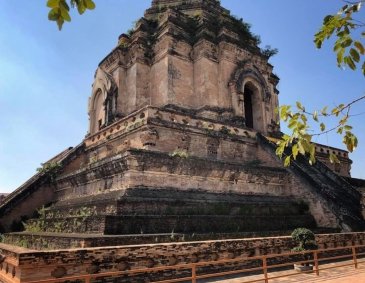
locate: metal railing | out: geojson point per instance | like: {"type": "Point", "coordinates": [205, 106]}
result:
{"type": "Point", "coordinates": [353, 255]}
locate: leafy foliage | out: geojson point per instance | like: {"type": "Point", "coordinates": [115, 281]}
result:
{"type": "Point", "coordinates": [268, 51]}
{"type": "Point", "coordinates": [350, 52]}
{"type": "Point", "coordinates": [300, 139]}
{"type": "Point", "coordinates": [39, 224]}
{"type": "Point", "coordinates": [50, 170]}
{"type": "Point", "coordinates": [59, 9]}
{"type": "Point", "coordinates": [304, 238]}
{"type": "Point", "coordinates": [343, 25]}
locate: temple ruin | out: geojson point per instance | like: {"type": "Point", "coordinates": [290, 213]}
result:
{"type": "Point", "coordinates": [182, 130]}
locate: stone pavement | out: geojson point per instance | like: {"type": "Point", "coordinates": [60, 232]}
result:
{"type": "Point", "coordinates": [336, 275]}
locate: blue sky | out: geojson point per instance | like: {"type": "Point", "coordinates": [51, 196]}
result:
{"type": "Point", "coordinates": [46, 75]}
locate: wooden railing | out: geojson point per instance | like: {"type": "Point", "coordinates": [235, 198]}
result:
{"type": "Point", "coordinates": [353, 259]}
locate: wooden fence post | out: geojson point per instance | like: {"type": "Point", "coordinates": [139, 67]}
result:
{"type": "Point", "coordinates": [354, 256]}
{"type": "Point", "coordinates": [264, 268]}
{"type": "Point", "coordinates": [315, 257]}
{"type": "Point", "coordinates": [193, 274]}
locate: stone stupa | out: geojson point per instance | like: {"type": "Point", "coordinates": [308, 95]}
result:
{"type": "Point", "coordinates": [181, 140]}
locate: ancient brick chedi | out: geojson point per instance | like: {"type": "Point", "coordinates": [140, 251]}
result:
{"type": "Point", "coordinates": [182, 123]}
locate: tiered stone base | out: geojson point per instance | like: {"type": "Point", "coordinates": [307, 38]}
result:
{"type": "Point", "coordinates": [168, 210]}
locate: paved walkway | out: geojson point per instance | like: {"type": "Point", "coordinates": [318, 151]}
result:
{"type": "Point", "coordinates": [336, 275]}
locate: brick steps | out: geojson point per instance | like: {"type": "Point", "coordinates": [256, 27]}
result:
{"type": "Point", "coordinates": [140, 224]}
{"type": "Point", "coordinates": [342, 198]}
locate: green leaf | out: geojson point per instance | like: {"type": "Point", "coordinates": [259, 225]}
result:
{"type": "Point", "coordinates": [337, 46]}
{"type": "Point", "coordinates": [348, 60]}
{"type": "Point", "coordinates": [326, 19]}
{"type": "Point", "coordinates": [279, 151]}
{"type": "Point", "coordinates": [359, 47]}
{"type": "Point", "coordinates": [350, 140]}
{"type": "Point", "coordinates": [89, 4]}
{"type": "Point", "coordinates": [312, 150]}
{"type": "Point", "coordinates": [357, 6]}
{"type": "Point", "coordinates": [344, 8]}
{"type": "Point", "coordinates": [80, 7]}
{"type": "Point", "coordinates": [355, 55]}
{"type": "Point", "coordinates": [333, 158]}
{"type": "Point", "coordinates": [315, 116]}
{"type": "Point", "coordinates": [286, 137]}
{"type": "Point", "coordinates": [343, 121]}
{"type": "Point", "coordinates": [287, 161]}
{"type": "Point", "coordinates": [53, 3]}
{"type": "Point", "coordinates": [322, 126]}
{"type": "Point", "coordinates": [335, 111]}
{"type": "Point", "coordinates": [53, 14]}
{"type": "Point", "coordinates": [300, 106]}
{"type": "Point", "coordinates": [301, 148]}
{"type": "Point", "coordinates": [346, 43]}
{"type": "Point", "coordinates": [340, 56]}
{"type": "Point", "coordinates": [292, 124]}
{"type": "Point", "coordinates": [64, 5]}
{"type": "Point", "coordinates": [312, 160]}
{"type": "Point", "coordinates": [60, 22]}
{"type": "Point", "coordinates": [295, 151]}
{"type": "Point", "coordinates": [65, 15]}
{"type": "Point", "coordinates": [324, 111]}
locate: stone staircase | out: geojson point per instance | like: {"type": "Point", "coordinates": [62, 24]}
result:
{"type": "Point", "coordinates": [343, 199]}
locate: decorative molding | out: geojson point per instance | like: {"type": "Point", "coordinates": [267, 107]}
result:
{"type": "Point", "coordinates": [247, 69]}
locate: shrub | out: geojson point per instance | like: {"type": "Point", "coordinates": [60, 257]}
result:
{"type": "Point", "coordinates": [304, 238]}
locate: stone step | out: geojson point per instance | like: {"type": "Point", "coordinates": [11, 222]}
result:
{"type": "Point", "coordinates": [46, 240]}
{"type": "Point", "coordinates": [203, 223]}
{"type": "Point", "coordinates": [174, 207]}
{"type": "Point", "coordinates": [140, 224]}
{"type": "Point", "coordinates": [171, 201]}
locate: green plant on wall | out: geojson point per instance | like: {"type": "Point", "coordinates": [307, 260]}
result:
{"type": "Point", "coordinates": [37, 225]}
{"type": "Point", "coordinates": [50, 170]}
{"type": "Point", "coordinates": [179, 153]}
{"type": "Point", "coordinates": [41, 224]}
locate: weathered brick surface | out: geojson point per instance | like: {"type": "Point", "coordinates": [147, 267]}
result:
{"type": "Point", "coordinates": [32, 265]}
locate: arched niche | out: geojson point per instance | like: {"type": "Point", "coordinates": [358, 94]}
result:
{"type": "Point", "coordinates": [97, 113]}
{"type": "Point", "coordinates": [103, 101]}
{"type": "Point", "coordinates": [253, 106]}
{"type": "Point", "coordinates": [250, 95]}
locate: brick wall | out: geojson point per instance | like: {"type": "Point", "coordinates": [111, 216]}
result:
{"type": "Point", "coordinates": [37, 265]}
